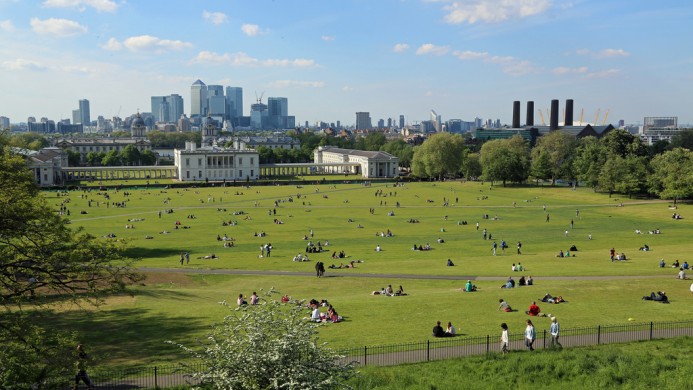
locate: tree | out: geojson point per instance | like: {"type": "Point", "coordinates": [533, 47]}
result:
{"type": "Point", "coordinates": [266, 154]}
{"type": "Point", "coordinates": [590, 157]}
{"type": "Point", "coordinates": [111, 159]}
{"type": "Point", "coordinates": [441, 155]}
{"type": "Point", "coordinates": [73, 158]}
{"type": "Point", "coordinates": [472, 166]}
{"type": "Point", "coordinates": [611, 173]}
{"type": "Point", "coordinates": [559, 147]}
{"type": "Point", "coordinates": [683, 139]}
{"type": "Point", "coordinates": [95, 158]}
{"type": "Point", "coordinates": [622, 143]}
{"type": "Point", "coordinates": [505, 160]}
{"type": "Point", "coordinates": [672, 176]}
{"type": "Point", "coordinates": [374, 141]}
{"type": "Point", "coordinates": [271, 345]}
{"type": "Point", "coordinates": [42, 261]}
{"type": "Point", "coordinates": [130, 155]}
{"type": "Point", "coordinates": [148, 157]}
{"type": "Point", "coordinates": [400, 149]}
{"type": "Point", "coordinates": [541, 168]}
{"type": "Point", "coordinates": [634, 177]}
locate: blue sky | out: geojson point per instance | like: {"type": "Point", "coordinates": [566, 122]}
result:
{"type": "Point", "coordinates": [464, 58]}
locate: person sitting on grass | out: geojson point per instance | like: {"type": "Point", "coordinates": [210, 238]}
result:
{"type": "Point", "coordinates": [450, 263]}
{"type": "Point", "coordinates": [400, 291]}
{"type": "Point", "coordinates": [450, 331]}
{"type": "Point", "coordinates": [503, 305]}
{"type": "Point", "coordinates": [438, 331]}
{"type": "Point", "coordinates": [469, 287]}
{"type": "Point", "coordinates": [682, 274]}
{"type": "Point", "coordinates": [533, 310]}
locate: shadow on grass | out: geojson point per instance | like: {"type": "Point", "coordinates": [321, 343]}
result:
{"type": "Point", "coordinates": [128, 337]}
{"type": "Point", "coordinates": [144, 253]}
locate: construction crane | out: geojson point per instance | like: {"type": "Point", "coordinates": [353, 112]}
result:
{"type": "Point", "coordinates": [605, 116]}
{"type": "Point", "coordinates": [259, 99]}
{"type": "Point", "coordinates": [596, 117]}
{"type": "Point", "coordinates": [542, 117]}
{"type": "Point", "coordinates": [582, 112]}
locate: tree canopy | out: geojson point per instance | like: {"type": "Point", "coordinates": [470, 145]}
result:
{"type": "Point", "coordinates": [43, 260]}
{"type": "Point", "coordinates": [441, 155]}
{"type": "Point", "coordinates": [506, 160]}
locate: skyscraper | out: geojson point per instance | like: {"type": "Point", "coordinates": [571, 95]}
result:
{"type": "Point", "coordinates": [401, 121]}
{"type": "Point", "coordinates": [198, 99]}
{"type": "Point", "coordinates": [363, 120]}
{"type": "Point", "coordinates": [234, 103]}
{"type": "Point", "coordinates": [4, 122]}
{"type": "Point", "coordinates": [75, 117]}
{"type": "Point", "coordinates": [167, 108]}
{"type": "Point", "coordinates": [84, 116]}
{"type": "Point", "coordinates": [175, 107]}
{"type": "Point", "coordinates": [216, 101]}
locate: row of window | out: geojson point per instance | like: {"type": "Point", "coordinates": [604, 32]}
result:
{"type": "Point", "coordinates": [219, 161]}
{"type": "Point", "coordinates": [85, 149]}
{"type": "Point", "coordinates": [225, 174]}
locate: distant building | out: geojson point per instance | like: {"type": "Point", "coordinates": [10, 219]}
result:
{"type": "Point", "coordinates": [46, 164]}
{"type": "Point", "coordinates": [659, 129]}
{"type": "Point", "coordinates": [167, 109]}
{"type": "Point", "coordinates": [198, 99]}
{"type": "Point", "coordinates": [234, 104]}
{"type": "Point", "coordinates": [84, 146]}
{"type": "Point", "coordinates": [274, 142]}
{"type": "Point", "coordinates": [436, 121]}
{"type": "Point", "coordinates": [372, 164]}
{"type": "Point", "coordinates": [184, 125]}
{"type": "Point", "coordinates": [363, 121]}
{"type": "Point", "coordinates": [401, 121]}
{"type": "Point", "coordinates": [4, 122]}
{"type": "Point", "coordinates": [84, 112]}
{"type": "Point", "coordinates": [216, 164]}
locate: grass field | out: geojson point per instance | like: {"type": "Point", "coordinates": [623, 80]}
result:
{"type": "Point", "coordinates": [131, 329]}
{"type": "Point", "coordinates": [660, 364]}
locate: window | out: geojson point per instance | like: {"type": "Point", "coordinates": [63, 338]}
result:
{"type": "Point", "coordinates": [199, 173]}
{"type": "Point", "coordinates": [199, 164]}
{"type": "Point", "coordinates": [187, 174]}
{"type": "Point", "coordinates": [187, 163]}
{"type": "Point", "coordinates": [252, 161]}
{"type": "Point", "coordinates": [252, 173]}
{"type": "Point", "coordinates": [240, 161]}
{"type": "Point", "coordinates": [240, 173]}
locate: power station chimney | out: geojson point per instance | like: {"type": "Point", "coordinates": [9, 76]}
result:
{"type": "Point", "coordinates": [530, 113]}
{"type": "Point", "coordinates": [516, 114]}
{"type": "Point", "coordinates": [553, 124]}
{"type": "Point", "coordinates": [568, 120]}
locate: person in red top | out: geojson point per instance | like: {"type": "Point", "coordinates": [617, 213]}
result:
{"type": "Point", "coordinates": [533, 309]}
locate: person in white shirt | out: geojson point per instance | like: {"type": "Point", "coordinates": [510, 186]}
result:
{"type": "Point", "coordinates": [451, 329]}
{"type": "Point", "coordinates": [378, 248]}
{"type": "Point", "coordinates": [504, 338]}
{"type": "Point", "coordinates": [555, 330]}
{"type": "Point", "coordinates": [315, 316]}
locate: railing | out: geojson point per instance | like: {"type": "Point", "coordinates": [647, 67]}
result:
{"type": "Point", "coordinates": [393, 354]}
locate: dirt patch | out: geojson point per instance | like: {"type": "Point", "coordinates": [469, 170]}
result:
{"type": "Point", "coordinates": [167, 278]}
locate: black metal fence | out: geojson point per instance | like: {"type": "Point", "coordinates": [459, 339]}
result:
{"type": "Point", "coordinates": [446, 348]}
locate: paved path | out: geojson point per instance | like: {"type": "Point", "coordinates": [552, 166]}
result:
{"type": "Point", "coordinates": [329, 274]}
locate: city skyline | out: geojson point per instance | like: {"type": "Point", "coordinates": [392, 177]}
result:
{"type": "Point", "coordinates": [462, 59]}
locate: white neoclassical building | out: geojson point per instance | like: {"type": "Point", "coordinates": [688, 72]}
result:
{"type": "Point", "coordinates": [372, 164]}
{"type": "Point", "coordinates": [216, 163]}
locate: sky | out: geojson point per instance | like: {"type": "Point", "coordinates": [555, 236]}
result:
{"type": "Point", "coordinates": [331, 59]}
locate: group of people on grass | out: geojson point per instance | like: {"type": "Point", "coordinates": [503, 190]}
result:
{"type": "Point", "coordinates": [389, 291]}
{"type": "Point", "coordinates": [450, 331]}
{"type": "Point", "coordinates": [510, 283]}
{"type": "Point", "coordinates": [530, 335]}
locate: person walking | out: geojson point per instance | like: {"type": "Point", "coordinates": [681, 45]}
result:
{"type": "Point", "coordinates": [187, 257]}
{"type": "Point", "coordinates": [81, 364]}
{"type": "Point", "coordinates": [504, 339]}
{"type": "Point", "coordinates": [182, 258]}
{"type": "Point", "coordinates": [555, 330]}
{"type": "Point", "coordinates": [519, 248]}
{"type": "Point", "coordinates": [530, 335]}
{"type": "Point", "coordinates": [495, 247]}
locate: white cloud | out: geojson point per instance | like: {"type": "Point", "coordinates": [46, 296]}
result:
{"type": "Point", "coordinates": [57, 27]}
{"type": "Point", "coordinates": [251, 30]}
{"type": "Point", "coordinates": [429, 48]}
{"type": "Point", "coordinates": [243, 59]}
{"type": "Point", "coordinates": [586, 72]}
{"type": "Point", "coordinates": [99, 5]}
{"type": "Point", "coordinates": [327, 38]}
{"type": "Point", "coordinates": [112, 45]}
{"type": "Point", "coordinates": [566, 70]}
{"type": "Point", "coordinates": [400, 48]}
{"type": "Point", "coordinates": [6, 25]}
{"type": "Point", "coordinates": [347, 88]}
{"type": "Point", "coordinates": [297, 83]}
{"type": "Point", "coordinates": [605, 53]}
{"type": "Point", "coordinates": [22, 64]}
{"type": "Point", "coordinates": [148, 43]}
{"type": "Point", "coordinates": [215, 18]}
{"type": "Point", "coordinates": [493, 11]}
{"type": "Point", "coordinates": [470, 55]}
{"type": "Point", "coordinates": [508, 64]}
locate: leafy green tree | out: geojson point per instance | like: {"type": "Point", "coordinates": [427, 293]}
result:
{"type": "Point", "coordinates": [400, 149]}
{"type": "Point", "coordinates": [590, 157]}
{"type": "Point", "coordinates": [672, 176]}
{"type": "Point", "coordinates": [559, 147]}
{"type": "Point", "coordinates": [441, 155]}
{"type": "Point", "coordinates": [33, 141]}
{"type": "Point", "coordinates": [95, 158]}
{"type": "Point", "coordinates": [659, 147]}
{"type": "Point", "coordinates": [505, 160]}
{"type": "Point", "coordinates": [683, 139]}
{"type": "Point", "coordinates": [147, 157]}
{"type": "Point", "coordinates": [111, 159]}
{"type": "Point", "coordinates": [130, 155]}
{"type": "Point", "coordinates": [634, 177]}
{"type": "Point", "coordinates": [271, 345]}
{"type": "Point", "coordinates": [541, 167]}
{"type": "Point", "coordinates": [622, 143]}
{"type": "Point", "coordinates": [471, 168]}
{"type": "Point", "coordinates": [374, 141]}
{"type": "Point", "coordinates": [611, 173]}
{"type": "Point", "coordinates": [43, 261]}
{"type": "Point", "coordinates": [281, 155]}
{"type": "Point", "coordinates": [73, 158]}
{"type": "Point", "coordinates": [266, 154]}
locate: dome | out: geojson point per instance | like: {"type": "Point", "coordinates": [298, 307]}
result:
{"type": "Point", "coordinates": [138, 121]}
{"type": "Point", "coordinates": [208, 122]}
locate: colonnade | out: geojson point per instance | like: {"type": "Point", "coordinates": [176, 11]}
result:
{"type": "Point", "coordinates": [116, 173]}
{"type": "Point", "coordinates": [271, 170]}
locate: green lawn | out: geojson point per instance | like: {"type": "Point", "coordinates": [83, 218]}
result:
{"type": "Point", "coordinates": [131, 329]}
